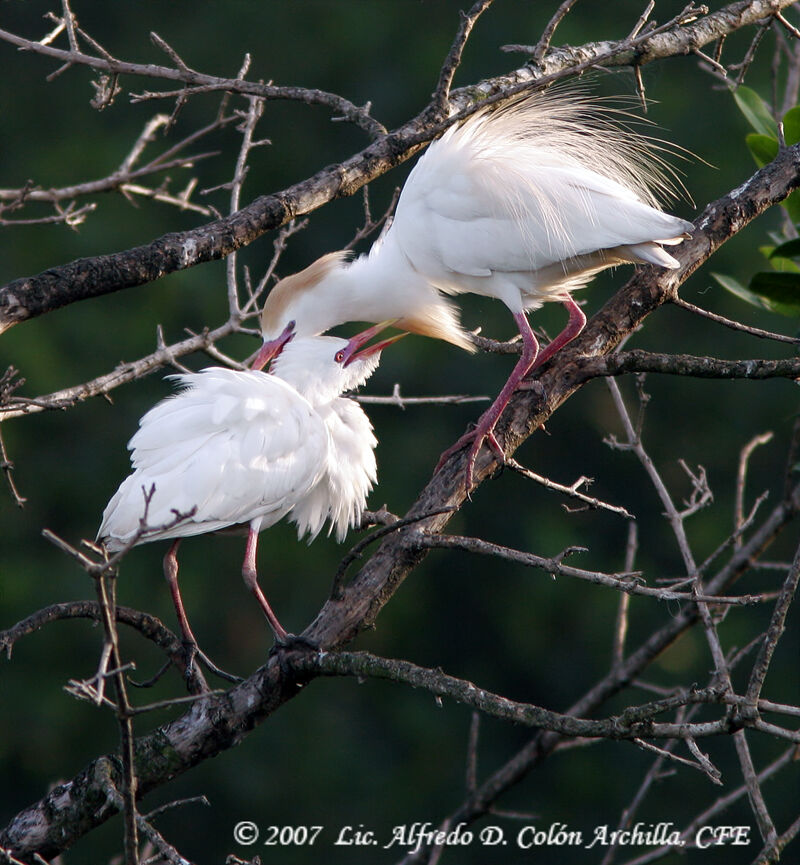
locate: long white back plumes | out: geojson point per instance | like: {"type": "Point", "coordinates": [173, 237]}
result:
{"type": "Point", "coordinates": [581, 129]}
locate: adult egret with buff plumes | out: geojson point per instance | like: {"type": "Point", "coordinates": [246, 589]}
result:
{"type": "Point", "coordinates": [525, 203]}
{"type": "Point", "coordinates": [246, 448]}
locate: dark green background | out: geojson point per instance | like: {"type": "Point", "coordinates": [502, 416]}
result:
{"type": "Point", "coordinates": [373, 753]}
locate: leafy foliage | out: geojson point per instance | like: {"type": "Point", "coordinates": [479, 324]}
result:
{"type": "Point", "coordinates": [777, 290]}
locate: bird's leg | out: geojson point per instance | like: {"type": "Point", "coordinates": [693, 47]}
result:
{"type": "Point", "coordinates": [189, 640]}
{"type": "Point", "coordinates": [486, 424]}
{"type": "Point", "coordinates": [250, 577]}
{"type": "Point", "coordinates": [171, 576]}
{"type": "Point", "coordinates": [576, 323]}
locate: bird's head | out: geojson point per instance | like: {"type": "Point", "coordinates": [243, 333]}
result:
{"type": "Point", "coordinates": [323, 367]}
{"type": "Point", "coordinates": [297, 298]}
{"type": "Point", "coordinates": [355, 357]}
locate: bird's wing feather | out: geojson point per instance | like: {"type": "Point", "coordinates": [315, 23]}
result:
{"type": "Point", "coordinates": [341, 494]}
{"type": "Point", "coordinates": [475, 208]}
{"type": "Point", "coordinates": [231, 445]}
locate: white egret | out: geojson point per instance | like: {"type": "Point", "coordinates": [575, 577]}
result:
{"type": "Point", "coordinates": [524, 203]}
{"type": "Point", "coordinates": [246, 448]}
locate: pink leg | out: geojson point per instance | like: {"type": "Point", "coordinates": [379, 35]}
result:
{"type": "Point", "coordinates": [171, 576]}
{"type": "Point", "coordinates": [530, 360]}
{"type": "Point", "coordinates": [250, 577]}
{"type": "Point", "coordinates": [192, 648]}
{"type": "Point", "coordinates": [486, 424]}
{"type": "Point", "coordinates": [576, 323]}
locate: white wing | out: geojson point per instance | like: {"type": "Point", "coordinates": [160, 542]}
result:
{"type": "Point", "coordinates": [487, 199]}
{"type": "Point", "coordinates": [234, 446]}
{"type": "Point", "coordinates": [341, 494]}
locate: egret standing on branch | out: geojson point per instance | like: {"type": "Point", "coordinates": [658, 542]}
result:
{"type": "Point", "coordinates": [524, 203]}
{"type": "Point", "coordinates": [246, 448]}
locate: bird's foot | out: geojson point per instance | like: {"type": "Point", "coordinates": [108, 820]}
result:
{"type": "Point", "coordinates": [465, 439]}
{"type": "Point", "coordinates": [194, 656]}
{"type": "Point", "coordinates": [477, 436]}
{"type": "Point", "coordinates": [291, 643]}
{"type": "Point", "coordinates": [490, 439]}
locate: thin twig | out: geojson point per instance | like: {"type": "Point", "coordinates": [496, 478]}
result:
{"type": "Point", "coordinates": [634, 443]}
{"type": "Point", "coordinates": [623, 608]}
{"type": "Point", "coordinates": [371, 225]}
{"type": "Point", "coordinates": [198, 82]}
{"type": "Point", "coordinates": [403, 401]}
{"type": "Point", "coordinates": [254, 112]}
{"type": "Point", "coordinates": [741, 475]}
{"type": "Point", "coordinates": [355, 552]}
{"type": "Point", "coordinates": [773, 633]}
{"type": "Point", "coordinates": [668, 755]}
{"type": "Point", "coordinates": [545, 39]}
{"type": "Point", "coordinates": [571, 491]}
{"type": "Point", "coordinates": [472, 753]}
{"type": "Point", "coordinates": [688, 835]}
{"type": "Point", "coordinates": [628, 582]}
{"type": "Point", "coordinates": [8, 468]}
{"type": "Point", "coordinates": [734, 325]}
{"type": "Point", "coordinates": [633, 723]}
{"type": "Point", "coordinates": [441, 94]}
{"type": "Point", "coordinates": [105, 586]}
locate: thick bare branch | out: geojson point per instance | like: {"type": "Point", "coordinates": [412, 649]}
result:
{"type": "Point", "coordinates": [637, 360]}
{"type": "Point", "coordinates": [217, 722]}
{"type": "Point", "coordinates": [28, 297]}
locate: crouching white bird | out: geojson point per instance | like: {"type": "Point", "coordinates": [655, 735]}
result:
{"type": "Point", "coordinates": [524, 203]}
{"type": "Point", "coordinates": [246, 448]}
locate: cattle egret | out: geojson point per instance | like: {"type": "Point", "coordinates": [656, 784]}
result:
{"type": "Point", "coordinates": [525, 203]}
{"type": "Point", "coordinates": [246, 448]}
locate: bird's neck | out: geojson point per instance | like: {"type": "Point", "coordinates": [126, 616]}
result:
{"type": "Point", "coordinates": [351, 291]}
{"type": "Point", "coordinates": [375, 287]}
{"type": "Point", "coordinates": [384, 285]}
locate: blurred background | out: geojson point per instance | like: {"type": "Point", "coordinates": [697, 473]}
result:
{"type": "Point", "coordinates": [371, 753]}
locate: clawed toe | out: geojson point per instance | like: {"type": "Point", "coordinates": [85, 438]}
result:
{"type": "Point", "coordinates": [293, 642]}
{"type": "Point", "coordinates": [195, 656]}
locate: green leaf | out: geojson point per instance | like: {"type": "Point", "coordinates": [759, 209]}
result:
{"type": "Point", "coordinates": [776, 292]}
{"type": "Point", "coordinates": [735, 287]}
{"type": "Point", "coordinates": [763, 148]}
{"type": "Point", "coordinates": [785, 265]}
{"type": "Point", "coordinates": [756, 111]}
{"type": "Point", "coordinates": [781, 261]}
{"type": "Point", "coordinates": [790, 249]}
{"type": "Point", "coordinates": [792, 205]}
{"type": "Point", "coordinates": [791, 125]}
{"type": "Point", "coordinates": [780, 292]}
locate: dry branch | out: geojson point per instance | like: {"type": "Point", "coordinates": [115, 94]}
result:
{"type": "Point", "coordinates": [84, 278]}
{"type": "Point", "coordinates": [217, 722]}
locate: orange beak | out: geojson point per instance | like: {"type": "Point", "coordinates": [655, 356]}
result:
{"type": "Point", "coordinates": [272, 348]}
{"type": "Point", "coordinates": [351, 351]}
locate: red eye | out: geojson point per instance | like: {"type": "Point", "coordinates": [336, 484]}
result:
{"type": "Point", "coordinates": [339, 356]}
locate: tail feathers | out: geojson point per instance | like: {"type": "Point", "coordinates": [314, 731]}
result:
{"type": "Point", "coordinates": [650, 253]}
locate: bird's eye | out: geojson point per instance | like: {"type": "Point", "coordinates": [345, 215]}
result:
{"type": "Point", "coordinates": [339, 356]}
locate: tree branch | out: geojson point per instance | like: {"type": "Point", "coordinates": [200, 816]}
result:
{"type": "Point", "coordinates": [637, 361]}
{"type": "Point", "coordinates": [84, 278]}
{"type": "Point", "coordinates": [629, 583]}
{"type": "Point", "coordinates": [560, 378]}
